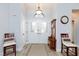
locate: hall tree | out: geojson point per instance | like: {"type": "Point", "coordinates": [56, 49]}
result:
{"type": "Point", "coordinates": [52, 38]}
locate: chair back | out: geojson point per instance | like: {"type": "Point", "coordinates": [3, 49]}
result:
{"type": "Point", "coordinates": [65, 36]}
{"type": "Point", "coordinates": [8, 36]}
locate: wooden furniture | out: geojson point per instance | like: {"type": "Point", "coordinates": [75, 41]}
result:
{"type": "Point", "coordinates": [9, 43]}
{"type": "Point", "coordinates": [52, 38]}
{"type": "Point", "coordinates": [67, 46]}
{"type": "Point", "coordinates": [52, 43]}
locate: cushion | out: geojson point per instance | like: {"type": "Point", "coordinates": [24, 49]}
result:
{"type": "Point", "coordinates": [8, 43]}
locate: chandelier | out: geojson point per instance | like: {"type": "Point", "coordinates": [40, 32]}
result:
{"type": "Point", "coordinates": [39, 12]}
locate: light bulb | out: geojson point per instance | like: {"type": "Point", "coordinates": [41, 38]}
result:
{"type": "Point", "coordinates": [38, 12]}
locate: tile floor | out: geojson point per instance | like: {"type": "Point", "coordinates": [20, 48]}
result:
{"type": "Point", "coordinates": [37, 50]}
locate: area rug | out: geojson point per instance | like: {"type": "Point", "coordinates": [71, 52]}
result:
{"type": "Point", "coordinates": [37, 50]}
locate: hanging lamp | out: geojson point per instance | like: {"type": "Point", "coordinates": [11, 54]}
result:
{"type": "Point", "coordinates": [39, 12]}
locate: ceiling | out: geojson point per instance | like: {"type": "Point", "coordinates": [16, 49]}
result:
{"type": "Point", "coordinates": [30, 8]}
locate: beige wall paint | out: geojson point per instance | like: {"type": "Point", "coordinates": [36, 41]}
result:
{"type": "Point", "coordinates": [75, 17]}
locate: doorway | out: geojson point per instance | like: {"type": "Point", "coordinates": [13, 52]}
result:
{"type": "Point", "coordinates": [75, 27]}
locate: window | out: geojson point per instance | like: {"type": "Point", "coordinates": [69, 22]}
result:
{"type": "Point", "coordinates": [39, 27]}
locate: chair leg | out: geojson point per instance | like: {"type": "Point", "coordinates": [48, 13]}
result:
{"type": "Point", "coordinates": [67, 51]}
{"type": "Point", "coordinates": [61, 48]}
{"type": "Point", "coordinates": [4, 51]}
{"type": "Point", "coordinates": [75, 51]}
{"type": "Point", "coordinates": [14, 49]}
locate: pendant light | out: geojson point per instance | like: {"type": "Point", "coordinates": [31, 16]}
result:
{"type": "Point", "coordinates": [39, 12]}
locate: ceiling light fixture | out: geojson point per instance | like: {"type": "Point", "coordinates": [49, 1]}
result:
{"type": "Point", "coordinates": [39, 12]}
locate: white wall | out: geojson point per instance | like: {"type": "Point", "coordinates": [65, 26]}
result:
{"type": "Point", "coordinates": [24, 27]}
{"type": "Point", "coordinates": [3, 24]}
{"type": "Point", "coordinates": [63, 9]}
{"type": "Point", "coordinates": [15, 22]}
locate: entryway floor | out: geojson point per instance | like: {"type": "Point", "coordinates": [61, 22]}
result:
{"type": "Point", "coordinates": [38, 50]}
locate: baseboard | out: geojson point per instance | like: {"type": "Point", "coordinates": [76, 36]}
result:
{"type": "Point", "coordinates": [58, 50]}
{"type": "Point", "coordinates": [1, 53]}
{"type": "Point", "coordinates": [27, 43]}
{"type": "Point", "coordinates": [78, 46]}
{"type": "Point", "coordinates": [19, 49]}
{"type": "Point", "coordinates": [38, 43]}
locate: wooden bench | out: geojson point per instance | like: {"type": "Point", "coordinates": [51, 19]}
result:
{"type": "Point", "coordinates": [67, 45]}
{"type": "Point", "coordinates": [9, 43]}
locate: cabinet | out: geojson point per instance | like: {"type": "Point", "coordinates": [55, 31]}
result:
{"type": "Point", "coordinates": [52, 38]}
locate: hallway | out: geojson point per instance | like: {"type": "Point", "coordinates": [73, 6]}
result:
{"type": "Point", "coordinates": [37, 50]}
{"type": "Point", "coordinates": [31, 34]}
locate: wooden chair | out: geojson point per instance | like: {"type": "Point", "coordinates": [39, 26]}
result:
{"type": "Point", "coordinates": [64, 37]}
{"type": "Point", "coordinates": [9, 43]}
{"type": "Point", "coordinates": [66, 42]}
